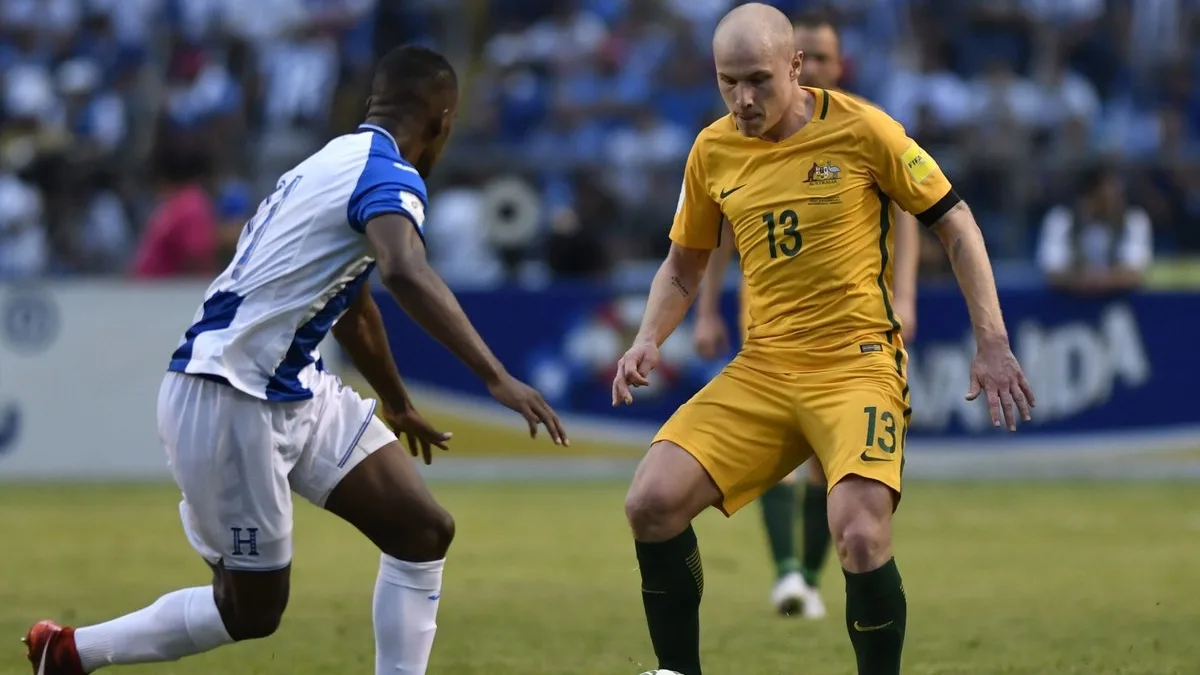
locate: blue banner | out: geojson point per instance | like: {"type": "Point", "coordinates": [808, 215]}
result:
{"type": "Point", "coordinates": [1125, 364]}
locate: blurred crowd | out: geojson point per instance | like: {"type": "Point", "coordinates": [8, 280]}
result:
{"type": "Point", "coordinates": [576, 118]}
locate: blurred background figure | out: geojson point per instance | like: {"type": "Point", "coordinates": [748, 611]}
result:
{"type": "Point", "coordinates": [1096, 243]}
{"type": "Point", "coordinates": [183, 235]}
{"type": "Point", "coordinates": [585, 100]}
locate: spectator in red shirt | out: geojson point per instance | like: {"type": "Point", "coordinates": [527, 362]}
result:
{"type": "Point", "coordinates": [182, 236]}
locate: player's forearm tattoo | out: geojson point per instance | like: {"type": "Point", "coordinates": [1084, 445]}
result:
{"type": "Point", "coordinates": [678, 284]}
{"type": "Point", "coordinates": [956, 248]}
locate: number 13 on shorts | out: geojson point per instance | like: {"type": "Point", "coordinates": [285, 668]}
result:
{"type": "Point", "coordinates": [863, 433]}
{"type": "Point", "coordinates": [882, 433]}
{"type": "Point", "coordinates": [882, 430]}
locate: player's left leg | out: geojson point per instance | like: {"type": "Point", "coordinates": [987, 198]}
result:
{"type": "Point", "coordinates": [856, 418]}
{"type": "Point", "coordinates": [356, 469]}
{"type": "Point", "coordinates": [860, 515]}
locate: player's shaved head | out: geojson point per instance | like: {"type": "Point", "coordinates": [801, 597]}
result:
{"type": "Point", "coordinates": [412, 80]}
{"type": "Point", "coordinates": [757, 66]}
{"type": "Point", "coordinates": [756, 28]}
{"type": "Point", "coordinates": [414, 96]}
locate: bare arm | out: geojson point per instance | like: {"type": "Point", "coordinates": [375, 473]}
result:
{"type": "Point", "coordinates": [969, 259]}
{"type": "Point", "coordinates": [709, 302]}
{"type": "Point", "coordinates": [361, 333]}
{"type": "Point", "coordinates": [672, 292]}
{"type": "Point", "coordinates": [995, 371]}
{"type": "Point", "coordinates": [406, 273]}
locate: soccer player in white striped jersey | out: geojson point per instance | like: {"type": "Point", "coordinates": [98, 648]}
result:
{"type": "Point", "coordinates": [249, 415]}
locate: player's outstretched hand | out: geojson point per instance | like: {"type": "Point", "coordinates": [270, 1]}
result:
{"type": "Point", "coordinates": [710, 336]}
{"type": "Point", "coordinates": [996, 373]}
{"type": "Point", "coordinates": [633, 370]}
{"type": "Point", "coordinates": [518, 396]}
{"type": "Point", "coordinates": [421, 435]}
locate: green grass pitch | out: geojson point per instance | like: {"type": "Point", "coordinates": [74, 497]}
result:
{"type": "Point", "coordinates": [1044, 579]}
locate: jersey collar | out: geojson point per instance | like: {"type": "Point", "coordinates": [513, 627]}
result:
{"type": "Point", "coordinates": [380, 130]}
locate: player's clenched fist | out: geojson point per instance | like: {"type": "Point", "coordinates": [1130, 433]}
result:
{"type": "Point", "coordinates": [633, 370]}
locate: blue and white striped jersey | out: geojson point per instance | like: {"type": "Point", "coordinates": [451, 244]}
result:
{"type": "Point", "coordinates": [299, 263]}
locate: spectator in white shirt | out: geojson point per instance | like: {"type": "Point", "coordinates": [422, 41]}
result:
{"type": "Point", "coordinates": [1102, 244]}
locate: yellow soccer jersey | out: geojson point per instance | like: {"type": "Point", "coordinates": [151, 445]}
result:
{"type": "Point", "coordinates": [811, 224]}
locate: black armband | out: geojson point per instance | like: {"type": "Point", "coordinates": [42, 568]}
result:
{"type": "Point", "coordinates": [933, 214]}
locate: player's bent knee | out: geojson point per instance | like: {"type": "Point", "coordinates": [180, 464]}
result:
{"type": "Point", "coordinates": [423, 538]}
{"type": "Point", "coordinates": [437, 533]}
{"type": "Point", "coordinates": [246, 624]}
{"type": "Point", "coordinates": [860, 518]}
{"type": "Point", "coordinates": [669, 489]}
{"type": "Point", "coordinates": [863, 543]}
{"type": "Point", "coordinates": [655, 515]}
{"type": "Point", "coordinates": [250, 618]}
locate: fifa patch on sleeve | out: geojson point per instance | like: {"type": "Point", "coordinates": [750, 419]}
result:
{"type": "Point", "coordinates": [413, 205]}
{"type": "Point", "coordinates": [918, 163]}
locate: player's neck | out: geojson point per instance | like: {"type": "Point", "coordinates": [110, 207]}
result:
{"type": "Point", "coordinates": [794, 119]}
{"type": "Point", "coordinates": [408, 145]}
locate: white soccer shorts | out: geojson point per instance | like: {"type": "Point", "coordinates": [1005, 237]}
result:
{"type": "Point", "coordinates": [238, 459]}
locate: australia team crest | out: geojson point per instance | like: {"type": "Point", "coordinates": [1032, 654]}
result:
{"type": "Point", "coordinates": [823, 173]}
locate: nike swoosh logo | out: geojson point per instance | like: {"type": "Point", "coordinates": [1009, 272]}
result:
{"type": "Point", "coordinates": [867, 458]}
{"type": "Point", "coordinates": [435, 596]}
{"type": "Point", "coordinates": [866, 629]}
{"type": "Point", "coordinates": [42, 663]}
{"type": "Point", "coordinates": [726, 193]}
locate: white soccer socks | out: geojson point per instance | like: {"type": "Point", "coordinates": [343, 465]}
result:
{"type": "Point", "coordinates": [405, 611]}
{"type": "Point", "coordinates": [187, 622]}
{"type": "Point", "coordinates": [178, 624]}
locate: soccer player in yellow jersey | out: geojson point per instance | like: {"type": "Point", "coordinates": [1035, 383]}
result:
{"type": "Point", "coordinates": [805, 177]}
{"type": "Point", "coordinates": [796, 577]}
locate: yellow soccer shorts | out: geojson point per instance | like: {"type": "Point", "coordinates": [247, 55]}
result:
{"type": "Point", "coordinates": [749, 428]}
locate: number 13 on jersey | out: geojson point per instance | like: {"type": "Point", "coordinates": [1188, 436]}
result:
{"type": "Point", "coordinates": [783, 234]}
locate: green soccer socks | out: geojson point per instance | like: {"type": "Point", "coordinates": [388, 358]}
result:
{"type": "Point", "coordinates": [779, 517]}
{"type": "Point", "coordinates": [672, 584]}
{"type": "Point", "coordinates": [876, 611]}
{"type": "Point", "coordinates": [816, 533]}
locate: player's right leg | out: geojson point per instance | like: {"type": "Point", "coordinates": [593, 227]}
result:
{"type": "Point", "coordinates": [354, 467]}
{"type": "Point", "coordinates": [386, 499]}
{"type": "Point", "coordinates": [724, 447]}
{"type": "Point", "coordinates": [669, 489]}
{"type": "Point", "coordinates": [237, 513]}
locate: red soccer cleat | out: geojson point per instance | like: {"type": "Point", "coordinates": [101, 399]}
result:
{"type": "Point", "coordinates": [52, 649]}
